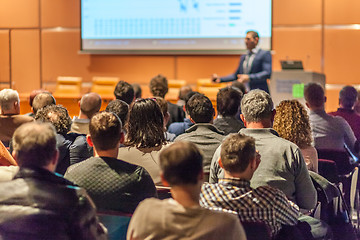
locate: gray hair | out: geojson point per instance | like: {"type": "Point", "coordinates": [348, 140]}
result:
{"type": "Point", "coordinates": [256, 105]}
{"type": "Point", "coordinates": [7, 98]}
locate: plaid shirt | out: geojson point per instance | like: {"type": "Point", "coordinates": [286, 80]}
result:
{"type": "Point", "coordinates": [264, 203]}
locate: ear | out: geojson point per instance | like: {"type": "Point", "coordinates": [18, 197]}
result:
{"type": "Point", "coordinates": [273, 112]}
{"type": "Point", "coordinates": [308, 106]}
{"type": "Point", "coordinates": [32, 109]}
{"type": "Point", "coordinates": [220, 163]}
{"type": "Point", "coordinates": [79, 103]}
{"type": "Point", "coordinates": [122, 138]}
{"type": "Point", "coordinates": [89, 140]}
{"type": "Point", "coordinates": [201, 176]}
{"type": "Point", "coordinates": [243, 119]}
{"type": "Point", "coordinates": [55, 159]}
{"type": "Point", "coordinates": [164, 182]}
{"type": "Point", "coordinates": [14, 155]}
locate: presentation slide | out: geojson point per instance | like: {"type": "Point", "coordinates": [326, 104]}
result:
{"type": "Point", "coordinates": [173, 25]}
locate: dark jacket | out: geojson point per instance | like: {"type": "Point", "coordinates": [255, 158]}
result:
{"type": "Point", "coordinates": [38, 204]}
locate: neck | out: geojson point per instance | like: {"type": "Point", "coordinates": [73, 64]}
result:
{"type": "Point", "coordinates": [262, 124]}
{"type": "Point", "coordinates": [111, 153]}
{"type": "Point", "coordinates": [244, 175]}
{"type": "Point", "coordinates": [9, 112]}
{"type": "Point", "coordinates": [82, 116]}
{"type": "Point", "coordinates": [186, 195]}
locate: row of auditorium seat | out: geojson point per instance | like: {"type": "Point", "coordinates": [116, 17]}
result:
{"type": "Point", "coordinates": [67, 86]}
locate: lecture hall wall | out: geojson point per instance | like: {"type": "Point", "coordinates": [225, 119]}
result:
{"type": "Point", "coordinates": [40, 40]}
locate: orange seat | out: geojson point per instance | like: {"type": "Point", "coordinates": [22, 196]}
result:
{"type": "Point", "coordinates": [104, 86]}
{"type": "Point", "coordinates": [69, 87]}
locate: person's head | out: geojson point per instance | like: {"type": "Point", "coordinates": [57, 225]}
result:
{"type": "Point", "coordinates": [33, 95]}
{"type": "Point", "coordinates": [90, 104]}
{"type": "Point", "coordinates": [251, 40]}
{"type": "Point", "coordinates": [120, 108]}
{"type": "Point", "coordinates": [164, 109]}
{"type": "Point", "coordinates": [145, 124]}
{"type": "Point", "coordinates": [35, 145]}
{"type": "Point", "coordinates": [348, 97]}
{"type": "Point", "coordinates": [314, 96]}
{"type": "Point", "coordinates": [291, 121]}
{"type": "Point", "coordinates": [159, 86]}
{"type": "Point", "coordinates": [238, 153]}
{"type": "Point", "coordinates": [124, 91]}
{"type": "Point", "coordinates": [200, 108]}
{"type": "Point", "coordinates": [137, 90]}
{"type": "Point", "coordinates": [183, 91]}
{"type": "Point", "coordinates": [57, 115]}
{"type": "Point", "coordinates": [105, 130]}
{"type": "Point", "coordinates": [257, 106]}
{"type": "Point", "coordinates": [9, 101]}
{"type": "Point", "coordinates": [228, 101]}
{"type": "Point", "coordinates": [240, 86]}
{"type": "Point", "coordinates": [41, 100]}
{"type": "Point", "coordinates": [181, 164]}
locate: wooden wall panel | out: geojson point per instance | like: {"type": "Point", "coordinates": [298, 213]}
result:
{"type": "Point", "coordinates": [133, 69]}
{"type": "Point", "coordinates": [294, 12]}
{"type": "Point", "coordinates": [60, 55]}
{"type": "Point", "coordinates": [342, 12]}
{"type": "Point", "coordinates": [191, 68]}
{"type": "Point", "coordinates": [297, 44]}
{"type": "Point", "coordinates": [342, 56]}
{"type": "Point", "coordinates": [4, 56]}
{"type": "Point", "coordinates": [25, 60]}
{"type": "Point", "coordinates": [19, 13]}
{"type": "Point", "coordinates": [64, 13]}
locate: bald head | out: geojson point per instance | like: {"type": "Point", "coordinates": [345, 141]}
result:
{"type": "Point", "coordinates": [41, 100]}
{"type": "Point", "coordinates": [347, 97]}
{"type": "Point", "coordinates": [90, 104]}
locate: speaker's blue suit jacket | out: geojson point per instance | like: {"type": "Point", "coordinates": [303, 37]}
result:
{"type": "Point", "coordinates": [260, 71]}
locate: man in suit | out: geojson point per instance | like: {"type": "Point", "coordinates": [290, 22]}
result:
{"type": "Point", "coordinates": [254, 68]}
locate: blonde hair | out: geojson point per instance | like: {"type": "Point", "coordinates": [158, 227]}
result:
{"type": "Point", "coordinates": [292, 123]}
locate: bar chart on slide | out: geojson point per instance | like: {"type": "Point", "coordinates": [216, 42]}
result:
{"type": "Point", "coordinates": [132, 19]}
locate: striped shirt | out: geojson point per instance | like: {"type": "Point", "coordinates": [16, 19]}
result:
{"type": "Point", "coordinates": [265, 204]}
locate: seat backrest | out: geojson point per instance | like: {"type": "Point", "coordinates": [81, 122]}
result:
{"type": "Point", "coordinates": [116, 223]}
{"type": "Point", "coordinates": [341, 158]}
{"type": "Point", "coordinates": [104, 86]}
{"type": "Point", "coordinates": [328, 169]}
{"type": "Point", "coordinates": [256, 230]}
{"type": "Point", "coordinates": [68, 87]}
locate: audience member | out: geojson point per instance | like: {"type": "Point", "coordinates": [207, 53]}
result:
{"type": "Point", "coordinates": [282, 165]}
{"type": "Point", "coordinates": [31, 99]}
{"type": "Point", "coordinates": [291, 122]}
{"type": "Point", "coordinates": [182, 217]}
{"type": "Point", "coordinates": [178, 128]}
{"type": "Point", "coordinates": [239, 160]}
{"type": "Point", "coordinates": [124, 91]}
{"type": "Point", "coordinates": [89, 104]}
{"type": "Point", "coordinates": [240, 86]}
{"type": "Point", "coordinates": [164, 109]}
{"type": "Point", "coordinates": [72, 146]}
{"type": "Point", "coordinates": [120, 108]}
{"type": "Point", "coordinates": [137, 90]}
{"type": "Point", "coordinates": [159, 88]}
{"type": "Point", "coordinates": [144, 137]}
{"type": "Point", "coordinates": [10, 118]}
{"type": "Point", "coordinates": [112, 183]}
{"type": "Point", "coordinates": [204, 134]}
{"type": "Point", "coordinates": [184, 90]}
{"type": "Point", "coordinates": [38, 204]}
{"type": "Point", "coordinates": [41, 100]}
{"type": "Point", "coordinates": [329, 132]}
{"type": "Point", "coordinates": [347, 98]}
{"type": "Point", "coordinates": [228, 103]}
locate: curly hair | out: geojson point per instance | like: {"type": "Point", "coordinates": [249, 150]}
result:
{"type": "Point", "coordinates": [145, 124]}
{"type": "Point", "coordinates": [159, 86]}
{"type": "Point", "coordinates": [292, 123]}
{"type": "Point", "coordinates": [57, 115]}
